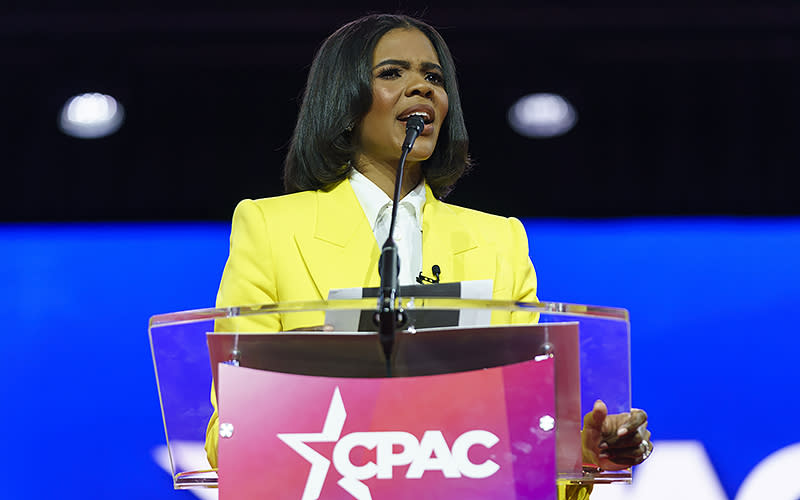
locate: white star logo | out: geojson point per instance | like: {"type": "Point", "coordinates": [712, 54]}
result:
{"type": "Point", "coordinates": [331, 430]}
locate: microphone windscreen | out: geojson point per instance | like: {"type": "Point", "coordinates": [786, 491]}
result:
{"type": "Point", "coordinates": [415, 122]}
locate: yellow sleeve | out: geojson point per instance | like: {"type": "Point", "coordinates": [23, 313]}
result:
{"type": "Point", "coordinates": [248, 279]}
{"type": "Point", "coordinates": [574, 491]}
{"type": "Point", "coordinates": [249, 276]}
{"type": "Point", "coordinates": [524, 274]}
{"type": "Point", "coordinates": [525, 283]}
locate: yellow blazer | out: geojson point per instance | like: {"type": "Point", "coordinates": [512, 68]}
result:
{"type": "Point", "coordinates": [299, 246]}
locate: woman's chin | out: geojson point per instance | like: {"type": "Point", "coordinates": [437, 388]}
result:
{"type": "Point", "coordinates": [421, 151]}
{"type": "Point", "coordinates": [416, 159]}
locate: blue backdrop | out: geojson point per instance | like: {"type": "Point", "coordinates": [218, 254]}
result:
{"type": "Point", "coordinates": [713, 336]}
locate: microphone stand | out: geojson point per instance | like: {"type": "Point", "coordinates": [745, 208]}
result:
{"type": "Point", "coordinates": [387, 317]}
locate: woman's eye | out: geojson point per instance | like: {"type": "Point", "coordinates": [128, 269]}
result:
{"type": "Point", "coordinates": [389, 73]}
{"type": "Point", "coordinates": [435, 78]}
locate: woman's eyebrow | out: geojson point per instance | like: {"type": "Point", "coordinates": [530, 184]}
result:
{"type": "Point", "coordinates": [406, 65]}
{"type": "Point", "coordinates": [393, 62]}
{"type": "Point", "coordinates": [426, 66]}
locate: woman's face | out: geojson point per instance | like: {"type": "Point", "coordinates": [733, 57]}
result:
{"type": "Point", "coordinates": [407, 79]}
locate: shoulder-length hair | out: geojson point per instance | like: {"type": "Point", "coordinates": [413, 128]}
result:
{"type": "Point", "coordinates": [338, 94]}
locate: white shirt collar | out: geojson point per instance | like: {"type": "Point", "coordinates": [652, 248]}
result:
{"type": "Point", "coordinates": [373, 199]}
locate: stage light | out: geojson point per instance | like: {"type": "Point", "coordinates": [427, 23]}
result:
{"type": "Point", "coordinates": [91, 115]}
{"type": "Point", "coordinates": [542, 115]}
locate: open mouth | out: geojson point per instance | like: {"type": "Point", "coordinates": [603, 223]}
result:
{"type": "Point", "coordinates": [424, 112]}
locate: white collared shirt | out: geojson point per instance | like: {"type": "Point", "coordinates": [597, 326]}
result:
{"type": "Point", "coordinates": [377, 206]}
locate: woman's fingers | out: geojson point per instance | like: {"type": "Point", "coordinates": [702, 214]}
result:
{"type": "Point", "coordinates": [630, 455]}
{"type": "Point", "coordinates": [624, 426]}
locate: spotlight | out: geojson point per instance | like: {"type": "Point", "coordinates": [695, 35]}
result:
{"type": "Point", "coordinates": [542, 115]}
{"type": "Point", "coordinates": [91, 116]}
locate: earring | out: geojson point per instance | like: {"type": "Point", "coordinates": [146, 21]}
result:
{"type": "Point", "coordinates": [349, 127]}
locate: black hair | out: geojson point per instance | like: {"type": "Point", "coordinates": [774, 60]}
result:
{"type": "Point", "coordinates": [338, 94]}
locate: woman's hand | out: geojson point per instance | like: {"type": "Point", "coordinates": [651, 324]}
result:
{"type": "Point", "coordinates": [615, 442]}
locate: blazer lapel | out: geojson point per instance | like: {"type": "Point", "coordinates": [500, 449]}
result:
{"type": "Point", "coordinates": [446, 242]}
{"type": "Point", "coordinates": [341, 251]}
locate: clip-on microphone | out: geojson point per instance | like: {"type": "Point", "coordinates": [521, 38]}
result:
{"type": "Point", "coordinates": [422, 279]}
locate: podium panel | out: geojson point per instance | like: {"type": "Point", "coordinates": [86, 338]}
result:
{"type": "Point", "coordinates": [469, 435]}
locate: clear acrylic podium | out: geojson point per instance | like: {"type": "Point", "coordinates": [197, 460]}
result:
{"type": "Point", "coordinates": [180, 346]}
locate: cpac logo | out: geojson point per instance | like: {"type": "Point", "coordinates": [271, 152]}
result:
{"type": "Point", "coordinates": [431, 453]}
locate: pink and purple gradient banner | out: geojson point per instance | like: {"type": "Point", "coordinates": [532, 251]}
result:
{"type": "Point", "coordinates": [479, 434]}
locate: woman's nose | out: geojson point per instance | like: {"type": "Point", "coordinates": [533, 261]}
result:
{"type": "Point", "coordinates": [420, 86]}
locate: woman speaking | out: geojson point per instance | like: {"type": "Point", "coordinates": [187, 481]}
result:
{"type": "Point", "coordinates": [367, 79]}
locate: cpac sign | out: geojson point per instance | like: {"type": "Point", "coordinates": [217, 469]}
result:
{"type": "Point", "coordinates": [431, 453]}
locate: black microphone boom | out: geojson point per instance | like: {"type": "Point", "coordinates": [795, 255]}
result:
{"type": "Point", "coordinates": [387, 317]}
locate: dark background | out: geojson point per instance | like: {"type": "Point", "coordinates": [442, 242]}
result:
{"type": "Point", "coordinates": [681, 109]}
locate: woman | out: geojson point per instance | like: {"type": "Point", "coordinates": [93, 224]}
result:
{"type": "Point", "coordinates": [366, 79]}
{"type": "Point", "coordinates": [365, 82]}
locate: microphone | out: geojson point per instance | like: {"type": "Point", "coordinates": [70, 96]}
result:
{"type": "Point", "coordinates": [387, 318]}
{"type": "Point", "coordinates": [436, 272]}
{"type": "Point", "coordinates": [414, 127]}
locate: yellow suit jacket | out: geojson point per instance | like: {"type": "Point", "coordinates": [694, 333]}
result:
{"type": "Point", "coordinates": [299, 246]}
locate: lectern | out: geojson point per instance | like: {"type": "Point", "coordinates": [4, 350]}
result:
{"type": "Point", "coordinates": [480, 411]}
